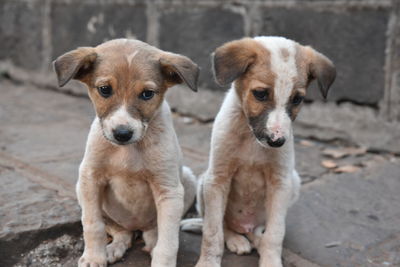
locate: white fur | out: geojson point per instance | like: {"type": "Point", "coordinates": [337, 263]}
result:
{"type": "Point", "coordinates": [241, 175]}
{"type": "Point", "coordinates": [279, 122]}
{"type": "Point", "coordinates": [122, 117]}
{"type": "Point", "coordinates": [129, 58]}
{"type": "Point", "coordinates": [135, 202]}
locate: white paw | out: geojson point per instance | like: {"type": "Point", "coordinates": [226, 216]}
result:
{"type": "Point", "coordinates": [202, 263]}
{"type": "Point", "coordinates": [149, 248]}
{"type": "Point", "coordinates": [270, 258]}
{"type": "Point", "coordinates": [88, 260]}
{"type": "Point", "coordinates": [150, 240]}
{"type": "Point", "coordinates": [115, 251]}
{"type": "Point", "coordinates": [238, 244]}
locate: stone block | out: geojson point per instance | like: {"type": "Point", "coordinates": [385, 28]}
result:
{"type": "Point", "coordinates": [339, 217]}
{"type": "Point", "coordinates": [196, 32]}
{"type": "Point", "coordinates": [355, 40]}
{"type": "Point", "coordinates": [21, 24]}
{"type": "Point", "coordinates": [88, 24]}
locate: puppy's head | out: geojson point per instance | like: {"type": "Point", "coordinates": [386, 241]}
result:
{"type": "Point", "coordinates": [270, 75]}
{"type": "Point", "coordinates": [127, 80]}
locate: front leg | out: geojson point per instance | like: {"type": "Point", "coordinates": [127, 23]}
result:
{"type": "Point", "coordinates": [89, 193]}
{"type": "Point", "coordinates": [215, 195]}
{"type": "Point", "coordinates": [279, 196]}
{"type": "Point", "coordinates": [169, 202]}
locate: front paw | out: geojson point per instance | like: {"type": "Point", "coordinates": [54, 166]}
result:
{"type": "Point", "coordinates": [159, 258]}
{"type": "Point", "coordinates": [238, 244]}
{"type": "Point", "coordinates": [92, 260]}
{"type": "Point", "coordinates": [115, 251]}
{"type": "Point", "coordinates": [271, 259]}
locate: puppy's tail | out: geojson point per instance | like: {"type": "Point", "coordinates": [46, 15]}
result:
{"type": "Point", "coordinates": [193, 225]}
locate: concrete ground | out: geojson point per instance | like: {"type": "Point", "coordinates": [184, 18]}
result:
{"type": "Point", "coordinates": [348, 213]}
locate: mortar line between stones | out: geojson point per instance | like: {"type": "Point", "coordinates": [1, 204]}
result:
{"type": "Point", "coordinates": [47, 48]}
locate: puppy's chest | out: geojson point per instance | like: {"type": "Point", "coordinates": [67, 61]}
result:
{"type": "Point", "coordinates": [125, 160]}
{"type": "Point", "coordinates": [245, 209]}
{"type": "Point", "coordinates": [129, 202]}
{"type": "Point", "coordinates": [249, 184]}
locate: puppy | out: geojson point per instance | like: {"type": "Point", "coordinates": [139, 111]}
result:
{"type": "Point", "coordinates": [251, 178]}
{"type": "Point", "coordinates": [131, 177]}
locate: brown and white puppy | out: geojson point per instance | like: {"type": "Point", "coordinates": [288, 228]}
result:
{"type": "Point", "coordinates": [251, 178]}
{"type": "Point", "coordinates": [131, 177]}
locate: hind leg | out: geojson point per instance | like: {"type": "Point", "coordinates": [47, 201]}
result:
{"type": "Point", "coordinates": [122, 240]}
{"type": "Point", "coordinates": [150, 239]}
{"type": "Point", "coordinates": [255, 236]}
{"type": "Point", "coordinates": [236, 243]}
{"type": "Point", "coordinates": [190, 185]}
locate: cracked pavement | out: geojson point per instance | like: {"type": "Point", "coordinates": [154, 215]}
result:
{"type": "Point", "coordinates": [348, 213]}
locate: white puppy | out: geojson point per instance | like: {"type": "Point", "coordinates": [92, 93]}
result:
{"type": "Point", "coordinates": [131, 177]}
{"type": "Point", "coordinates": [251, 178]}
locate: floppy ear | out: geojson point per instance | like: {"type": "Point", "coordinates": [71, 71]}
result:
{"type": "Point", "coordinates": [74, 64]}
{"type": "Point", "coordinates": [177, 69]}
{"type": "Point", "coordinates": [232, 59]}
{"type": "Point", "coordinates": [322, 69]}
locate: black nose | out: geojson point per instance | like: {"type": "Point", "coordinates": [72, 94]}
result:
{"type": "Point", "coordinates": [122, 133]}
{"type": "Point", "coordinates": [277, 143]}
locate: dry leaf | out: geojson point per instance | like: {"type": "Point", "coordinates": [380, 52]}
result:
{"type": "Point", "coordinates": [306, 143]}
{"type": "Point", "coordinates": [347, 169]}
{"type": "Point", "coordinates": [329, 164]}
{"type": "Point", "coordinates": [344, 152]}
{"type": "Point", "coordinates": [356, 151]}
{"type": "Point", "coordinates": [334, 153]}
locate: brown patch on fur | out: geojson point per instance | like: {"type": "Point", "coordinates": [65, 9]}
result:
{"type": "Point", "coordinates": [314, 65]}
{"type": "Point", "coordinates": [258, 76]}
{"type": "Point", "coordinates": [284, 54]}
{"type": "Point", "coordinates": [75, 64]}
{"type": "Point", "coordinates": [107, 64]}
{"type": "Point", "coordinates": [251, 70]}
{"type": "Point", "coordinates": [178, 69]}
{"type": "Point", "coordinates": [232, 59]}
{"type": "Point", "coordinates": [302, 61]}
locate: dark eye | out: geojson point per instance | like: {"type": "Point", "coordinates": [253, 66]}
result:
{"type": "Point", "coordinates": [146, 95]}
{"type": "Point", "coordinates": [105, 91]}
{"type": "Point", "coordinates": [260, 95]}
{"type": "Point", "coordinates": [297, 99]}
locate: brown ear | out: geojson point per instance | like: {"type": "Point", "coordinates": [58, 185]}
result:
{"type": "Point", "coordinates": [232, 59]}
{"type": "Point", "coordinates": [74, 64]}
{"type": "Point", "coordinates": [177, 69]}
{"type": "Point", "coordinates": [322, 69]}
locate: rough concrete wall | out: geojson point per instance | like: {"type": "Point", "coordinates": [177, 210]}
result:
{"type": "Point", "coordinates": [354, 34]}
{"type": "Point", "coordinates": [391, 102]}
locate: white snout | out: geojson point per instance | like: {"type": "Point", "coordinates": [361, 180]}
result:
{"type": "Point", "coordinates": [122, 118]}
{"type": "Point", "coordinates": [278, 124]}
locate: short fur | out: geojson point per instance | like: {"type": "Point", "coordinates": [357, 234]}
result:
{"type": "Point", "coordinates": [249, 185]}
{"type": "Point", "coordinates": [139, 184]}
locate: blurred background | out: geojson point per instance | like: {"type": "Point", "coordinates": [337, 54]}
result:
{"type": "Point", "coordinates": [347, 148]}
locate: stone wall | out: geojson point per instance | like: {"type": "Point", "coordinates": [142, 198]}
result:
{"type": "Point", "coordinates": [360, 36]}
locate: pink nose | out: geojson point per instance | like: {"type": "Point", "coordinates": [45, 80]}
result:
{"type": "Point", "coordinates": [276, 133]}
